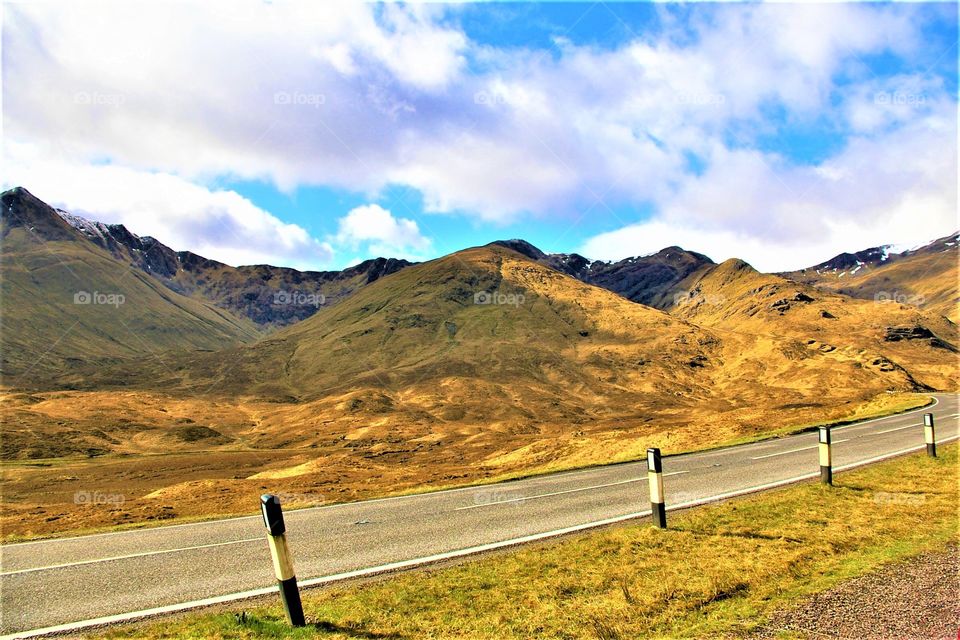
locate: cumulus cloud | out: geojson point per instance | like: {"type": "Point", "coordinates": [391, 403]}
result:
{"type": "Point", "coordinates": [215, 223]}
{"type": "Point", "coordinates": [899, 187]}
{"type": "Point", "coordinates": [362, 97]}
{"type": "Point", "coordinates": [383, 234]}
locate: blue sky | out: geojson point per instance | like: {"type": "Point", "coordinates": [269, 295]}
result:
{"type": "Point", "coordinates": [316, 136]}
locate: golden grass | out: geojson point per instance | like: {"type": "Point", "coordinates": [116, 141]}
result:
{"type": "Point", "coordinates": [409, 386]}
{"type": "Point", "coordinates": [202, 483]}
{"type": "Point", "coordinates": [717, 571]}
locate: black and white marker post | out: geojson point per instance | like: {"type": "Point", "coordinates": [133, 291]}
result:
{"type": "Point", "coordinates": [655, 475]}
{"type": "Point", "coordinates": [929, 436]}
{"type": "Point", "coordinates": [282, 560]}
{"type": "Point", "coordinates": [826, 457]}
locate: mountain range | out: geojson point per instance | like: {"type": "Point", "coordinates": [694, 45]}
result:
{"type": "Point", "coordinates": [491, 360]}
{"type": "Point", "coordinates": [924, 276]}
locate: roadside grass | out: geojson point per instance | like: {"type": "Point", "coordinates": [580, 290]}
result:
{"type": "Point", "coordinates": [718, 571]}
{"type": "Point", "coordinates": [900, 403]}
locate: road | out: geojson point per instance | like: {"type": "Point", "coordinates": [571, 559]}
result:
{"type": "Point", "coordinates": [67, 583]}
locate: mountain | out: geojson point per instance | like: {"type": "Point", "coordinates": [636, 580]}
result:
{"type": "Point", "coordinates": [485, 318]}
{"type": "Point", "coordinates": [482, 363]}
{"type": "Point", "coordinates": [494, 336]}
{"type": "Point", "coordinates": [68, 302]}
{"type": "Point", "coordinates": [926, 276]}
{"type": "Point", "coordinates": [848, 336]}
{"type": "Point", "coordinates": [650, 280]}
{"type": "Point", "coordinates": [269, 296]}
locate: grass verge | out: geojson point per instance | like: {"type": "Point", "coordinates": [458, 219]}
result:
{"type": "Point", "coordinates": [719, 570]}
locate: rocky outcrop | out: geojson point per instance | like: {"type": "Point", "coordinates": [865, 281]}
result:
{"type": "Point", "coordinates": [896, 334]}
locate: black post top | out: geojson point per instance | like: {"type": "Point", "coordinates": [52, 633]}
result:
{"type": "Point", "coordinates": [272, 514]}
{"type": "Point", "coordinates": [653, 460]}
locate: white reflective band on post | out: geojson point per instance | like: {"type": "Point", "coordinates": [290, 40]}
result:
{"type": "Point", "coordinates": [928, 434]}
{"type": "Point", "coordinates": [282, 561]}
{"type": "Point", "coordinates": [656, 486]}
{"type": "Point", "coordinates": [824, 455]}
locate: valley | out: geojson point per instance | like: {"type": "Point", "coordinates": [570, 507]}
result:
{"type": "Point", "coordinates": [489, 363]}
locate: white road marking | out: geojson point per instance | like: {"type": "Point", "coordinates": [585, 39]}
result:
{"type": "Point", "coordinates": [927, 408]}
{"type": "Point", "coordinates": [909, 426]}
{"type": "Point", "coordinates": [783, 453]}
{"type": "Point", "coordinates": [775, 440]}
{"type": "Point", "coordinates": [126, 557]}
{"type": "Point", "coordinates": [918, 426]}
{"type": "Point", "coordinates": [415, 562]}
{"type": "Point", "coordinates": [559, 493]}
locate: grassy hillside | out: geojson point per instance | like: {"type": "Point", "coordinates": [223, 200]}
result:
{"type": "Point", "coordinates": [68, 303]}
{"type": "Point", "coordinates": [718, 571]}
{"type": "Point", "coordinates": [410, 383]}
{"type": "Point", "coordinates": [834, 339]}
{"type": "Point", "coordinates": [425, 325]}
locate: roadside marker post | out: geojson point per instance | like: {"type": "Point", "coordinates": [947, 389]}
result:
{"type": "Point", "coordinates": [655, 475]}
{"type": "Point", "coordinates": [826, 457]}
{"type": "Point", "coordinates": [929, 436]}
{"type": "Point", "coordinates": [282, 560]}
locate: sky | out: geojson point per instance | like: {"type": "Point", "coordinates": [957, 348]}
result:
{"type": "Point", "coordinates": [315, 135]}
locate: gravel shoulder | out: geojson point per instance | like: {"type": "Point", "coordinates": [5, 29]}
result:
{"type": "Point", "coordinates": [917, 598]}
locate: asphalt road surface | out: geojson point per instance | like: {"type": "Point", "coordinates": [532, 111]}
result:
{"type": "Point", "coordinates": [68, 583]}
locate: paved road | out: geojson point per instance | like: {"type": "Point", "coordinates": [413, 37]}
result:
{"type": "Point", "coordinates": [50, 583]}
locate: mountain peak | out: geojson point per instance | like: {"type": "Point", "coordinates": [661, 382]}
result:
{"type": "Point", "coordinates": [23, 209]}
{"type": "Point", "coordinates": [678, 253]}
{"type": "Point", "coordinates": [734, 265]}
{"type": "Point", "coordinates": [522, 247]}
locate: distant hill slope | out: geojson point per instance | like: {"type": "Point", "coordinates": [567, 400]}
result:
{"type": "Point", "coordinates": [927, 276]}
{"type": "Point", "coordinates": [67, 302]}
{"type": "Point", "coordinates": [269, 296]}
{"type": "Point", "coordinates": [846, 334]}
{"type": "Point", "coordinates": [651, 280]}
{"type": "Point", "coordinates": [486, 323]}
{"type": "Point", "coordinates": [489, 338]}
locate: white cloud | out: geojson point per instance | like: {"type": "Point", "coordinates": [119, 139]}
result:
{"type": "Point", "coordinates": [383, 234]}
{"type": "Point", "coordinates": [217, 224]}
{"type": "Point", "coordinates": [381, 95]}
{"type": "Point", "coordinates": [899, 187]}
